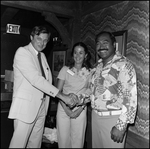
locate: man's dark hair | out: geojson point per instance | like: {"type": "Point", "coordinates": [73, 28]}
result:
{"type": "Point", "coordinates": [112, 37]}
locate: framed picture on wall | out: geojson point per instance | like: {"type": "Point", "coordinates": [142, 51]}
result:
{"type": "Point", "coordinates": [59, 58]}
{"type": "Point", "coordinates": [121, 41]}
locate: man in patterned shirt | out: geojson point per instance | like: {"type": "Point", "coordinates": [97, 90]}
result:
{"type": "Point", "coordinates": [114, 94]}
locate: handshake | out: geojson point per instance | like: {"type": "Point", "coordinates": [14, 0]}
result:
{"type": "Point", "coordinates": [73, 100]}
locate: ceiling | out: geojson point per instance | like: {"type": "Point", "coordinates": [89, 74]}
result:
{"type": "Point", "coordinates": [29, 13]}
{"type": "Point", "coordinates": [26, 18]}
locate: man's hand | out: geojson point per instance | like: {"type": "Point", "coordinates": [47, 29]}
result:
{"type": "Point", "coordinates": [72, 100]}
{"type": "Point", "coordinates": [83, 99]}
{"type": "Point", "coordinates": [117, 135]}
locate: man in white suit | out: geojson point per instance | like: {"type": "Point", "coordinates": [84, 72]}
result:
{"type": "Point", "coordinates": [29, 105]}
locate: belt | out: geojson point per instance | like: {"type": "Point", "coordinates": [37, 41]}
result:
{"type": "Point", "coordinates": [108, 113]}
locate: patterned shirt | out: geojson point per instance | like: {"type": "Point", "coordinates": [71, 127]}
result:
{"type": "Point", "coordinates": [114, 87]}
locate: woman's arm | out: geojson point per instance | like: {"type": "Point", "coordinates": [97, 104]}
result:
{"type": "Point", "coordinates": [69, 112]}
{"type": "Point", "coordinates": [60, 85]}
{"type": "Point", "coordinates": [77, 112]}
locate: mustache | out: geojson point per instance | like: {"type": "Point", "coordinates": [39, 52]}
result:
{"type": "Point", "coordinates": [102, 49]}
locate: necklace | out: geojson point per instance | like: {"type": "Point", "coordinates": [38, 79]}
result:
{"type": "Point", "coordinates": [82, 73]}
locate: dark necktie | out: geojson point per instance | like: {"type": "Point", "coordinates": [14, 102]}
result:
{"type": "Point", "coordinates": [42, 70]}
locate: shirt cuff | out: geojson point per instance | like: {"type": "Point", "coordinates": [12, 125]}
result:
{"type": "Point", "coordinates": [121, 126]}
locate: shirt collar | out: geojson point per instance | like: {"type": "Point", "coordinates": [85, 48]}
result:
{"type": "Point", "coordinates": [36, 52]}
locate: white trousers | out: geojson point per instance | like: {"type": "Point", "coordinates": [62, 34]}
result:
{"type": "Point", "coordinates": [101, 128]}
{"type": "Point", "coordinates": [71, 132]}
{"type": "Point", "coordinates": [29, 135]}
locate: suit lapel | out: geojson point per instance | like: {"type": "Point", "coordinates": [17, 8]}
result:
{"type": "Point", "coordinates": [34, 57]}
{"type": "Point", "coordinates": [44, 62]}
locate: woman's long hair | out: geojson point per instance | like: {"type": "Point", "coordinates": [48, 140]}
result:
{"type": "Point", "coordinates": [86, 62]}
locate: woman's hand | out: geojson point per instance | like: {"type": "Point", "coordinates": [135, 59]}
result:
{"type": "Point", "coordinates": [69, 112]}
{"type": "Point", "coordinates": [76, 113]}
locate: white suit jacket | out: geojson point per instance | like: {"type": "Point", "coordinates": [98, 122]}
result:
{"type": "Point", "coordinates": [30, 85]}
